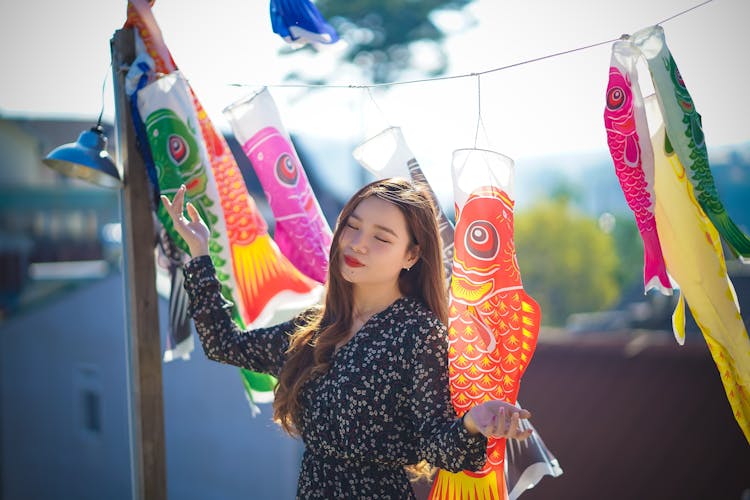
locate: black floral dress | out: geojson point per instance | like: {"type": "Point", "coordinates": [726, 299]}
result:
{"type": "Point", "coordinates": [383, 404]}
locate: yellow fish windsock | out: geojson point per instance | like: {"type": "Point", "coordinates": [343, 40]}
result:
{"type": "Point", "coordinates": [694, 258]}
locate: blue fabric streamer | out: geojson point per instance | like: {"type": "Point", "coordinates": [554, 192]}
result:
{"type": "Point", "coordinates": [142, 140]}
{"type": "Point", "coordinates": [300, 20]}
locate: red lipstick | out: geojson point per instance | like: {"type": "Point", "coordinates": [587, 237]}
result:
{"type": "Point", "coordinates": [352, 262]}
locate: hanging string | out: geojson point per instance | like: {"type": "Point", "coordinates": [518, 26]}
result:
{"type": "Point", "coordinates": [453, 77]}
{"type": "Point", "coordinates": [684, 11]}
{"type": "Point", "coordinates": [480, 119]}
{"type": "Point", "coordinates": [369, 93]}
{"type": "Point", "coordinates": [479, 108]}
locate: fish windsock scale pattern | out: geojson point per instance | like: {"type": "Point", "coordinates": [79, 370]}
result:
{"type": "Point", "coordinates": [684, 128]}
{"type": "Point", "coordinates": [493, 324]}
{"type": "Point", "coordinates": [302, 232]}
{"type": "Point", "coordinates": [630, 147]}
{"type": "Point", "coordinates": [694, 257]}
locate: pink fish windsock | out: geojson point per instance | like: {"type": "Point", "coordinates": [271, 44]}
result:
{"type": "Point", "coordinates": [254, 274]}
{"type": "Point", "coordinates": [630, 147]}
{"type": "Point", "coordinates": [301, 233]}
{"type": "Point", "coordinates": [493, 324]}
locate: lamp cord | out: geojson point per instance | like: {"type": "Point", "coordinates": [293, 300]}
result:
{"type": "Point", "coordinates": [104, 85]}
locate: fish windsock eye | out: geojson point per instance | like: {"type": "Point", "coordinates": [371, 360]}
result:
{"type": "Point", "coordinates": [615, 98]}
{"type": "Point", "coordinates": [482, 240]}
{"type": "Point", "coordinates": [678, 77]}
{"type": "Point", "coordinates": [286, 170]}
{"type": "Point", "coordinates": [178, 149]}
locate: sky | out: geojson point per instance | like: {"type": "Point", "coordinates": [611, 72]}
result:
{"type": "Point", "coordinates": [55, 59]}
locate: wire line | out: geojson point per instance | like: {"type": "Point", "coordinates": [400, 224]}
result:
{"type": "Point", "coordinates": [453, 77]}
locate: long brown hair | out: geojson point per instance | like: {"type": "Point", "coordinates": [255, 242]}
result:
{"type": "Point", "coordinates": [314, 341]}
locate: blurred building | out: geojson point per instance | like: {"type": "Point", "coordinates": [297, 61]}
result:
{"type": "Point", "coordinates": [63, 361]}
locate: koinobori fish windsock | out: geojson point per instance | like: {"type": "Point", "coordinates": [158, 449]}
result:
{"type": "Point", "coordinates": [630, 147]}
{"type": "Point", "coordinates": [388, 155]}
{"type": "Point", "coordinates": [695, 260]}
{"type": "Point", "coordinates": [299, 21]}
{"type": "Point", "coordinates": [493, 324]}
{"type": "Point", "coordinates": [186, 148]}
{"type": "Point", "coordinates": [301, 232]}
{"type": "Point", "coordinates": [684, 128]}
{"type": "Point", "coordinates": [181, 157]}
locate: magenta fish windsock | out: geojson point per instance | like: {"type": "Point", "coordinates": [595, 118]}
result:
{"type": "Point", "coordinates": [302, 233]}
{"type": "Point", "coordinates": [630, 146]}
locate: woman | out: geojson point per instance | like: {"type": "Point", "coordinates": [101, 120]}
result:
{"type": "Point", "coordinates": [363, 379]}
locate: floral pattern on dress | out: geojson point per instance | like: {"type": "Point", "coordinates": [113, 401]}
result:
{"type": "Point", "coordinates": [384, 402]}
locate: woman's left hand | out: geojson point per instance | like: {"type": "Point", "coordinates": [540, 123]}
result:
{"type": "Point", "coordinates": [497, 419]}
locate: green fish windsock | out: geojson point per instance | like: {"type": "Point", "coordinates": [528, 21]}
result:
{"type": "Point", "coordinates": [685, 130]}
{"type": "Point", "coordinates": [263, 285]}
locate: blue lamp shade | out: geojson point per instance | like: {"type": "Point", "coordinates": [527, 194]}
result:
{"type": "Point", "coordinates": [86, 159]}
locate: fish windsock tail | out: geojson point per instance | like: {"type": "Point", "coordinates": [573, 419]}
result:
{"type": "Point", "coordinates": [737, 393]}
{"type": "Point", "coordinates": [738, 241]}
{"type": "Point", "coordinates": [654, 269]}
{"type": "Point", "coordinates": [467, 486]}
{"type": "Point", "coordinates": [266, 279]}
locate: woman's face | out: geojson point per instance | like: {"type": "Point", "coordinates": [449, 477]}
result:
{"type": "Point", "coordinates": [375, 243]}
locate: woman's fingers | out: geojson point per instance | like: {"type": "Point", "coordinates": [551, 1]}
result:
{"type": "Point", "coordinates": [501, 426]}
{"type": "Point", "coordinates": [174, 207]}
{"type": "Point", "coordinates": [192, 212]}
{"type": "Point", "coordinates": [178, 202]}
{"type": "Point", "coordinates": [514, 429]}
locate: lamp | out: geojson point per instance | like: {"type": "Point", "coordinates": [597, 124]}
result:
{"type": "Point", "coordinates": [87, 158]}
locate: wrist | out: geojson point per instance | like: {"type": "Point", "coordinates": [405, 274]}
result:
{"type": "Point", "coordinates": [198, 251]}
{"type": "Point", "coordinates": [469, 424]}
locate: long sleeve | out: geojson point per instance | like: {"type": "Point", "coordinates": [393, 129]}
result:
{"type": "Point", "coordinates": [260, 350]}
{"type": "Point", "coordinates": [444, 441]}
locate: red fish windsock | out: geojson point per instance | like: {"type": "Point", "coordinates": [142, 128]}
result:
{"type": "Point", "coordinates": [388, 155]}
{"type": "Point", "coordinates": [630, 147]}
{"type": "Point", "coordinates": [301, 232]}
{"type": "Point", "coordinates": [493, 324]}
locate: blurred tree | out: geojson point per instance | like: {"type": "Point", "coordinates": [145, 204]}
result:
{"type": "Point", "coordinates": [567, 262]}
{"type": "Point", "coordinates": [386, 37]}
{"type": "Point", "coordinates": [629, 247]}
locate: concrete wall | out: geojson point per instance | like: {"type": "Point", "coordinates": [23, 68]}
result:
{"type": "Point", "coordinates": [64, 430]}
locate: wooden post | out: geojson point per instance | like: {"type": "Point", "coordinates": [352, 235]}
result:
{"type": "Point", "coordinates": [147, 451]}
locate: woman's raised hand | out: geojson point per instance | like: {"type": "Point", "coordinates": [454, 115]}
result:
{"type": "Point", "coordinates": [193, 231]}
{"type": "Point", "coordinates": [497, 419]}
